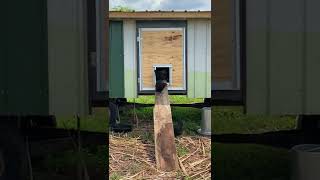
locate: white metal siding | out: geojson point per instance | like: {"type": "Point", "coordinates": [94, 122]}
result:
{"type": "Point", "coordinates": [67, 56]}
{"type": "Point", "coordinates": [199, 58]}
{"type": "Point", "coordinates": [130, 67]}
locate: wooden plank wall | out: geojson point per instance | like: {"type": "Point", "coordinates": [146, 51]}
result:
{"type": "Point", "coordinates": [222, 44]}
{"type": "Point", "coordinates": [162, 47]}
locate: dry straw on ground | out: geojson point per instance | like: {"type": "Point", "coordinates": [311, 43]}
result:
{"type": "Point", "coordinates": [132, 157]}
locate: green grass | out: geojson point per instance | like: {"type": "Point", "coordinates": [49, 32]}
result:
{"type": "Point", "coordinates": [190, 116]}
{"type": "Point", "coordinates": [174, 99]}
{"type": "Point", "coordinates": [230, 161]}
{"type": "Point", "coordinates": [181, 151]}
{"type": "Point", "coordinates": [115, 176]}
{"type": "Point", "coordinates": [232, 120]}
{"type": "Point", "coordinates": [97, 122]}
{"type": "Point", "coordinates": [65, 163]}
{"type": "Point", "coordinates": [95, 157]}
{"type": "Point", "coordinates": [249, 161]}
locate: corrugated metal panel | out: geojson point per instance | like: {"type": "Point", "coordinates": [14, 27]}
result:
{"type": "Point", "coordinates": [199, 59]}
{"type": "Point", "coordinates": [3, 77]}
{"type": "Point", "coordinates": [68, 86]}
{"type": "Point", "coordinates": [116, 61]}
{"type": "Point", "coordinates": [312, 64]}
{"type": "Point", "coordinates": [26, 58]}
{"type": "Point", "coordinates": [283, 57]}
{"type": "Point", "coordinates": [130, 67]}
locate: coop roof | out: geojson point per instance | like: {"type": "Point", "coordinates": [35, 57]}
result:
{"type": "Point", "coordinates": [160, 15]}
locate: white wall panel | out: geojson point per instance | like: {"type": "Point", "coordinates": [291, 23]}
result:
{"type": "Point", "coordinates": [199, 58]}
{"type": "Point", "coordinates": [130, 67]}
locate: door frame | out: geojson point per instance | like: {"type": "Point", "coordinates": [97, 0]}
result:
{"type": "Point", "coordinates": [140, 41]}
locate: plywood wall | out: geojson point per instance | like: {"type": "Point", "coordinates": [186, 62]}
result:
{"type": "Point", "coordinates": [162, 47]}
{"type": "Point", "coordinates": [222, 44]}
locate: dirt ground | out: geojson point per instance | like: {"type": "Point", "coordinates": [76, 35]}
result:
{"type": "Point", "coordinates": [131, 156]}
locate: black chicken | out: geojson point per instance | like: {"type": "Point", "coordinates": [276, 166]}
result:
{"type": "Point", "coordinates": [161, 79]}
{"type": "Point", "coordinates": [178, 127]}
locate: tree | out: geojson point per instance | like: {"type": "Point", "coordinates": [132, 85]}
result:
{"type": "Point", "coordinates": [122, 9]}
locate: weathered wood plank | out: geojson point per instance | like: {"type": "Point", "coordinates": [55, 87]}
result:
{"type": "Point", "coordinates": [165, 149]}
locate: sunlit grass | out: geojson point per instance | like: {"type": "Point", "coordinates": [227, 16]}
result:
{"type": "Point", "coordinates": [174, 99]}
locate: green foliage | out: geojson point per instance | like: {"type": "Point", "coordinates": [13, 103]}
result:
{"type": "Point", "coordinates": [181, 151]}
{"type": "Point", "coordinates": [115, 176]}
{"type": "Point", "coordinates": [122, 9]}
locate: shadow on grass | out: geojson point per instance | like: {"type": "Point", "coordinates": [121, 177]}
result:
{"type": "Point", "coordinates": [249, 162]}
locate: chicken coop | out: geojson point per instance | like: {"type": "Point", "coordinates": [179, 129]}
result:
{"type": "Point", "coordinates": [141, 43]}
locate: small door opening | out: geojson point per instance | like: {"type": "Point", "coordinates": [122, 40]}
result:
{"type": "Point", "coordinates": [162, 73]}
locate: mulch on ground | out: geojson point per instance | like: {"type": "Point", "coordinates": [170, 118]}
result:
{"type": "Point", "coordinates": [131, 156]}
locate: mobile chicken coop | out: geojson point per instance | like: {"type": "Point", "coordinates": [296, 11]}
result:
{"type": "Point", "coordinates": [142, 42]}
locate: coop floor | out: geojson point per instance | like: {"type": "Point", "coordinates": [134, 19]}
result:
{"type": "Point", "coordinates": [131, 156]}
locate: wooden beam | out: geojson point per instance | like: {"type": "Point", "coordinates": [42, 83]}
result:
{"type": "Point", "coordinates": [160, 15]}
{"type": "Point", "coordinates": [165, 149]}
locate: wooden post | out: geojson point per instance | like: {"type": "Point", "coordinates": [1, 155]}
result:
{"type": "Point", "coordinates": [165, 149]}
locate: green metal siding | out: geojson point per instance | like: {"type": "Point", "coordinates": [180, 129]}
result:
{"type": "Point", "coordinates": [27, 58]}
{"type": "Point", "coordinates": [116, 60]}
{"type": "Point", "coordinates": [283, 57]}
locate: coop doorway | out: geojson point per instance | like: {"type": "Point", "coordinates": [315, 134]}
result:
{"type": "Point", "coordinates": [162, 48]}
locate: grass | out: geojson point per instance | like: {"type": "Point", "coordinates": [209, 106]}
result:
{"type": "Point", "coordinates": [95, 157]}
{"type": "Point", "coordinates": [249, 161]}
{"type": "Point", "coordinates": [115, 176]}
{"type": "Point", "coordinates": [230, 161]}
{"type": "Point", "coordinates": [65, 163]}
{"type": "Point", "coordinates": [190, 116]}
{"type": "Point", "coordinates": [232, 120]}
{"type": "Point", "coordinates": [97, 122]}
{"type": "Point", "coordinates": [181, 151]}
{"type": "Point", "coordinates": [174, 99]}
